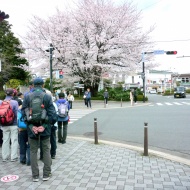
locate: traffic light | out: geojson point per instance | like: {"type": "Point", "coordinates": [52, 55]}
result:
{"type": "Point", "coordinates": [60, 74]}
{"type": "Point", "coordinates": [171, 52]}
{"type": "Point", "coordinates": [3, 16]}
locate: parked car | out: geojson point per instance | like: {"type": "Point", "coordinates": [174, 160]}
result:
{"type": "Point", "coordinates": [180, 92]}
{"type": "Point", "coordinates": [152, 91]}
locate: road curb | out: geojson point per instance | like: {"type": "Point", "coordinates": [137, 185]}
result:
{"type": "Point", "coordinates": [139, 149]}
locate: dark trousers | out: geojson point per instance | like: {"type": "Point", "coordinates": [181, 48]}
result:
{"type": "Point", "coordinates": [34, 145]}
{"type": "Point", "coordinates": [88, 102]}
{"type": "Point", "coordinates": [24, 147]}
{"type": "Point", "coordinates": [135, 99]}
{"type": "Point", "coordinates": [70, 104]}
{"type": "Point", "coordinates": [106, 100]}
{"type": "Point", "coordinates": [53, 143]}
{"type": "Point", "coordinates": [62, 130]}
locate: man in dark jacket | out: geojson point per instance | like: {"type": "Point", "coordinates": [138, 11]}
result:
{"type": "Point", "coordinates": [106, 96]}
{"type": "Point", "coordinates": [40, 130]}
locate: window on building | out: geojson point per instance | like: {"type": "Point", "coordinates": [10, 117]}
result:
{"type": "Point", "coordinates": [187, 79]}
{"type": "Point", "coordinates": [154, 82]}
{"type": "Point", "coordinates": [183, 80]}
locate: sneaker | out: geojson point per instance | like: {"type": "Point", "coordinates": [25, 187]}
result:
{"type": "Point", "coordinates": [14, 160]}
{"type": "Point", "coordinates": [63, 142]}
{"type": "Point", "coordinates": [53, 157]}
{"type": "Point", "coordinates": [46, 178]}
{"type": "Point", "coordinates": [5, 160]}
{"type": "Point", "coordinates": [35, 179]}
{"type": "Point", "coordinates": [23, 162]}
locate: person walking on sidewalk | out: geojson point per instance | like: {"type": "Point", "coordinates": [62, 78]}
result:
{"type": "Point", "coordinates": [135, 95]}
{"type": "Point", "coordinates": [84, 97]}
{"type": "Point", "coordinates": [106, 96]}
{"type": "Point", "coordinates": [88, 98]}
{"type": "Point", "coordinates": [62, 122]}
{"type": "Point", "coordinates": [10, 132]}
{"type": "Point", "coordinates": [131, 97]}
{"type": "Point", "coordinates": [39, 126]}
{"type": "Point", "coordinates": [71, 99]}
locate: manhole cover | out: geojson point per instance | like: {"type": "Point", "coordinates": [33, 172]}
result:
{"type": "Point", "coordinates": [88, 134]}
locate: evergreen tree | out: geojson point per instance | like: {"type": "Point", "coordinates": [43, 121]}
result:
{"type": "Point", "coordinates": [11, 53]}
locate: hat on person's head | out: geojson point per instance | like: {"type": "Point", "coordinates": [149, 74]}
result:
{"type": "Point", "coordinates": [9, 91]}
{"type": "Point", "coordinates": [38, 81]}
{"type": "Point", "coordinates": [61, 95]}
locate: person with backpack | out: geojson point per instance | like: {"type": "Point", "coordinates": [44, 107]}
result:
{"type": "Point", "coordinates": [8, 121]}
{"type": "Point", "coordinates": [63, 117]}
{"type": "Point", "coordinates": [53, 142]}
{"type": "Point", "coordinates": [39, 114]}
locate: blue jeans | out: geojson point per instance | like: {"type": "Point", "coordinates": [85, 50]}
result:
{"type": "Point", "coordinates": [24, 147]}
{"type": "Point", "coordinates": [88, 102]}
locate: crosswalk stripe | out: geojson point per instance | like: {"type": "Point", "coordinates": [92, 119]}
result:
{"type": "Point", "coordinates": [177, 103]}
{"type": "Point", "coordinates": [169, 104]}
{"type": "Point", "coordinates": [159, 104]}
{"type": "Point", "coordinates": [78, 114]}
{"type": "Point", "coordinates": [187, 103]}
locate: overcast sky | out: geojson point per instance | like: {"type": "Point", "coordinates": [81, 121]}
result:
{"type": "Point", "coordinates": [169, 16]}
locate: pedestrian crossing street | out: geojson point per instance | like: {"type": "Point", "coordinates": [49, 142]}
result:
{"type": "Point", "coordinates": [76, 114]}
{"type": "Point", "coordinates": [170, 104]}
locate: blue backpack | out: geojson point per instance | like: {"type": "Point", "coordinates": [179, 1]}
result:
{"type": "Point", "coordinates": [20, 120]}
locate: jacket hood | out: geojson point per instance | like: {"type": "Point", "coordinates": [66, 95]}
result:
{"type": "Point", "coordinates": [61, 101]}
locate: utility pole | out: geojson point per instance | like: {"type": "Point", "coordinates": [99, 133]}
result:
{"type": "Point", "coordinates": [51, 57]}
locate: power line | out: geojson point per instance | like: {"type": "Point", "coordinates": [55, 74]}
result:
{"type": "Point", "coordinates": [181, 40]}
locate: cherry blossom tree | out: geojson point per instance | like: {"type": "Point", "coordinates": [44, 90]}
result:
{"type": "Point", "coordinates": [96, 37]}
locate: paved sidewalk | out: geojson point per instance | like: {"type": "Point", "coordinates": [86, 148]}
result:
{"type": "Point", "coordinates": [82, 165]}
{"type": "Point", "coordinates": [99, 104]}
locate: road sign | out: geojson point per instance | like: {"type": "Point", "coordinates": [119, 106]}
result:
{"type": "Point", "coordinates": [9, 178]}
{"type": "Point", "coordinates": [159, 52]}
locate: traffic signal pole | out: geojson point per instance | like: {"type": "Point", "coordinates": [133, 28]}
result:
{"type": "Point", "coordinates": [144, 94]}
{"type": "Point", "coordinates": [50, 57]}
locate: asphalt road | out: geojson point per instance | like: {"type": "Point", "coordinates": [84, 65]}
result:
{"type": "Point", "coordinates": [168, 125]}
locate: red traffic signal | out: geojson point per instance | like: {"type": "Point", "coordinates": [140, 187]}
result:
{"type": "Point", "coordinates": [171, 52]}
{"type": "Point", "coordinates": [61, 72]}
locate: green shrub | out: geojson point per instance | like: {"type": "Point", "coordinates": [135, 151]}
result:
{"type": "Point", "coordinates": [140, 98]}
{"type": "Point", "coordinates": [2, 95]}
